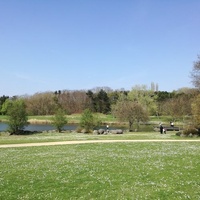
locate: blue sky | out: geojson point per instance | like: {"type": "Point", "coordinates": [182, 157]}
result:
{"type": "Point", "coordinates": [48, 45]}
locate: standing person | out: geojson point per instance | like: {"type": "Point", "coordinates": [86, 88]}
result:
{"type": "Point", "coordinates": [107, 128]}
{"type": "Point", "coordinates": [161, 129]}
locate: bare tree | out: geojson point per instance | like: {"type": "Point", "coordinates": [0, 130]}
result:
{"type": "Point", "coordinates": [195, 74]}
{"type": "Point", "coordinates": [196, 110]}
{"type": "Point", "coordinates": [40, 104]}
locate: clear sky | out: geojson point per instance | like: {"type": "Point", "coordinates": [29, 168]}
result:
{"type": "Point", "coordinates": [48, 45]}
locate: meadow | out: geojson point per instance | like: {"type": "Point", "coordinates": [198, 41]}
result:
{"type": "Point", "coordinates": [75, 118]}
{"type": "Point", "coordinates": [151, 170]}
{"type": "Point", "coordinates": [100, 171]}
{"type": "Point", "coordinates": [5, 138]}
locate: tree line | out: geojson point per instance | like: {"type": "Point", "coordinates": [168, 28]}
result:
{"type": "Point", "coordinates": [134, 106]}
{"type": "Point", "coordinates": [156, 102]}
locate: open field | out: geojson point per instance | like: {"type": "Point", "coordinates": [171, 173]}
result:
{"type": "Point", "coordinates": [55, 137]}
{"type": "Point", "coordinates": [154, 170]}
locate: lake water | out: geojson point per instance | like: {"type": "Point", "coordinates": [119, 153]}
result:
{"type": "Point", "coordinates": [39, 127]}
{"type": "Point", "coordinates": [47, 127]}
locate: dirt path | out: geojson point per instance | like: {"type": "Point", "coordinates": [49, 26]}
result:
{"type": "Point", "coordinates": [86, 142]}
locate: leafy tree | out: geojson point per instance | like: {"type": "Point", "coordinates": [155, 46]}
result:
{"type": "Point", "coordinates": [145, 97]}
{"type": "Point", "coordinates": [195, 74]}
{"type": "Point", "coordinates": [5, 106]}
{"type": "Point", "coordinates": [17, 116]}
{"type": "Point", "coordinates": [88, 120]}
{"type": "Point", "coordinates": [131, 111]}
{"type": "Point", "coordinates": [2, 100]}
{"type": "Point", "coordinates": [163, 95]}
{"type": "Point", "coordinates": [59, 120]}
{"type": "Point", "coordinates": [113, 97]}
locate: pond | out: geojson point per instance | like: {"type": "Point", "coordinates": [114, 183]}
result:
{"type": "Point", "coordinates": [47, 127]}
{"type": "Point", "coordinates": [39, 127]}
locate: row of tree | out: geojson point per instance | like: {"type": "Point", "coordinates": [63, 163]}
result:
{"type": "Point", "coordinates": [157, 103]}
{"type": "Point", "coordinates": [133, 106]}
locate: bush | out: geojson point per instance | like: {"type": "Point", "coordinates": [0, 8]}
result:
{"type": "Point", "coordinates": [191, 132]}
{"type": "Point", "coordinates": [59, 120]}
{"type": "Point", "coordinates": [88, 121]}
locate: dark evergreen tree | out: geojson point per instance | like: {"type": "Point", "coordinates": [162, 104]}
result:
{"type": "Point", "coordinates": [103, 102]}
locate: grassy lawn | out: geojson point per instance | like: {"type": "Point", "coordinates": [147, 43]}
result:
{"type": "Point", "coordinates": [53, 137]}
{"type": "Point", "coordinates": [75, 118]}
{"type": "Point", "coordinates": [121, 171]}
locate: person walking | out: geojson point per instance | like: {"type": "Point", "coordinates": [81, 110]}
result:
{"type": "Point", "coordinates": [161, 129]}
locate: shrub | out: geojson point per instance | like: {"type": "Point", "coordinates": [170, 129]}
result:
{"type": "Point", "coordinates": [88, 121]}
{"type": "Point", "coordinates": [191, 131]}
{"type": "Point", "coordinates": [59, 120]}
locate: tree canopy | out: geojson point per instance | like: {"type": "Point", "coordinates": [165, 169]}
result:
{"type": "Point", "coordinates": [59, 119]}
{"type": "Point", "coordinates": [17, 116]}
{"type": "Point", "coordinates": [130, 111]}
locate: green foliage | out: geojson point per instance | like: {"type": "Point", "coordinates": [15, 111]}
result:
{"type": "Point", "coordinates": [163, 95]}
{"type": "Point", "coordinates": [2, 101]}
{"type": "Point", "coordinates": [131, 111]}
{"type": "Point", "coordinates": [100, 101]}
{"type": "Point", "coordinates": [17, 116]}
{"type": "Point", "coordinates": [147, 98]}
{"type": "Point", "coordinates": [5, 105]}
{"type": "Point", "coordinates": [59, 120]}
{"type": "Point", "coordinates": [88, 121]}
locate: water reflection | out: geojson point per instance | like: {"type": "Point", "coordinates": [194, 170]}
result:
{"type": "Point", "coordinates": [39, 127]}
{"type": "Point", "coordinates": [47, 127]}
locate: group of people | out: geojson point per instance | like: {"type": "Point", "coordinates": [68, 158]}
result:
{"type": "Point", "coordinates": [163, 130]}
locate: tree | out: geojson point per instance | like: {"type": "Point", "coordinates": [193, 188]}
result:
{"type": "Point", "coordinates": [17, 116]}
{"type": "Point", "coordinates": [196, 110]}
{"type": "Point", "coordinates": [41, 104]}
{"type": "Point", "coordinates": [179, 106]}
{"type": "Point", "coordinates": [99, 102]}
{"type": "Point", "coordinates": [131, 111]}
{"type": "Point", "coordinates": [88, 121]}
{"type": "Point", "coordinates": [103, 103]}
{"type": "Point", "coordinates": [59, 120]}
{"type": "Point", "coordinates": [145, 97]}
{"type": "Point", "coordinates": [5, 105]}
{"type": "Point", "coordinates": [2, 100]}
{"type": "Point", "coordinates": [195, 74]}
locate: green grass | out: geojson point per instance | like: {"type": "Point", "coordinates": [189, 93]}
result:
{"type": "Point", "coordinates": [53, 137]}
{"type": "Point", "coordinates": [75, 118]}
{"type": "Point", "coordinates": [102, 171]}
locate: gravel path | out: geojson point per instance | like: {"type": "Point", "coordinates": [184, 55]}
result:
{"type": "Point", "coordinates": [86, 142]}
